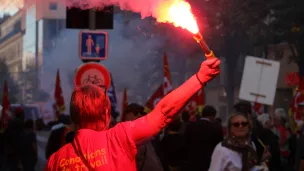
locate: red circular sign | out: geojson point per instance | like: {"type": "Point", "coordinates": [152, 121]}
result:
{"type": "Point", "coordinates": [92, 73]}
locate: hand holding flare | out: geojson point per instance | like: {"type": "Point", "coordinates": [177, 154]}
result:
{"type": "Point", "coordinates": [179, 13]}
{"type": "Point", "coordinates": [201, 41]}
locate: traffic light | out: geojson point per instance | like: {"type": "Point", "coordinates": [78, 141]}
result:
{"type": "Point", "coordinates": [81, 19]}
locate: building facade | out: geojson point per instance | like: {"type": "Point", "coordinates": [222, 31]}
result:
{"type": "Point", "coordinates": [11, 42]}
{"type": "Point", "coordinates": [26, 38]}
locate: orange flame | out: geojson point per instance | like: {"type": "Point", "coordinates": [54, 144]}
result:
{"type": "Point", "coordinates": [179, 14]}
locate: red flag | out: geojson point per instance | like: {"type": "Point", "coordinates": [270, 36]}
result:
{"type": "Point", "coordinates": [294, 110]}
{"type": "Point", "coordinates": [200, 100]}
{"type": "Point", "coordinates": [59, 100]}
{"type": "Point", "coordinates": [196, 104]}
{"type": "Point", "coordinates": [5, 115]}
{"type": "Point", "coordinates": [124, 105]}
{"type": "Point", "coordinates": [258, 108]}
{"type": "Point", "coordinates": [154, 99]}
{"type": "Point", "coordinates": [167, 77]}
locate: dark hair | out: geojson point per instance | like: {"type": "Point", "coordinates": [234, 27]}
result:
{"type": "Point", "coordinates": [19, 113]}
{"type": "Point", "coordinates": [243, 107]}
{"type": "Point", "coordinates": [90, 107]}
{"type": "Point", "coordinates": [65, 119]}
{"type": "Point", "coordinates": [136, 109]}
{"type": "Point", "coordinates": [175, 125]}
{"type": "Point", "coordinates": [209, 111]}
{"type": "Point", "coordinates": [185, 116]}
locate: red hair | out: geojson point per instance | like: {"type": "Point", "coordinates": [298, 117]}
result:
{"type": "Point", "coordinates": [90, 108]}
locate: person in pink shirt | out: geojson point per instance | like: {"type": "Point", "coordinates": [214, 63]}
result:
{"type": "Point", "coordinates": [95, 147]}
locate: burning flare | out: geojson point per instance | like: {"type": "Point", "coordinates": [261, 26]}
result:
{"type": "Point", "coordinates": [179, 14]}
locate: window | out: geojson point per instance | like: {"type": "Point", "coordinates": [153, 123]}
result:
{"type": "Point", "coordinates": [53, 6]}
{"type": "Point", "coordinates": [17, 26]}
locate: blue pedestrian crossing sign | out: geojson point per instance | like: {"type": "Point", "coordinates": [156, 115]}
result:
{"type": "Point", "coordinates": [93, 45]}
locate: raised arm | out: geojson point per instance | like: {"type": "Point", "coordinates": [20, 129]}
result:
{"type": "Point", "coordinates": [170, 105]}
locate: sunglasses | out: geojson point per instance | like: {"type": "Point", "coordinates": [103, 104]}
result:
{"type": "Point", "coordinates": [240, 124]}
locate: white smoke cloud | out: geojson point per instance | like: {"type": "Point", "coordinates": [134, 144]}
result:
{"type": "Point", "coordinates": [158, 9]}
{"type": "Point", "coordinates": [128, 46]}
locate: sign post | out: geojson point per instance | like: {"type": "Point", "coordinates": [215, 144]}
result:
{"type": "Point", "coordinates": [92, 73]}
{"type": "Point", "coordinates": [93, 46]}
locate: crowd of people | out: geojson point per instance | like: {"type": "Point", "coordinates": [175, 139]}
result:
{"type": "Point", "coordinates": [18, 144]}
{"type": "Point", "coordinates": [165, 139]}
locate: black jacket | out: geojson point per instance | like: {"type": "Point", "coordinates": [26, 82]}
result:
{"type": "Point", "coordinates": [201, 137]}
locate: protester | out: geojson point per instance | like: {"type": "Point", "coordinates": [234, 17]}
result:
{"type": "Point", "coordinates": [96, 148]}
{"type": "Point", "coordinates": [61, 133]}
{"type": "Point", "coordinates": [272, 141]}
{"type": "Point", "coordinates": [280, 129]}
{"type": "Point", "coordinates": [302, 164]}
{"type": "Point", "coordinates": [172, 147]}
{"type": "Point", "coordinates": [300, 145]}
{"type": "Point", "coordinates": [146, 158]}
{"type": "Point", "coordinates": [201, 137]}
{"type": "Point", "coordinates": [28, 144]}
{"type": "Point", "coordinates": [245, 108]}
{"type": "Point", "coordinates": [12, 140]}
{"type": "Point", "coordinates": [237, 151]}
{"type": "Point", "coordinates": [185, 116]}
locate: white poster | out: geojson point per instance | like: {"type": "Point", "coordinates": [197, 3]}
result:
{"type": "Point", "coordinates": [259, 80]}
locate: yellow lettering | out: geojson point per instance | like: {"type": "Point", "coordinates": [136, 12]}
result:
{"type": "Point", "coordinates": [67, 162]}
{"type": "Point", "coordinates": [92, 155]}
{"type": "Point", "coordinates": [77, 160]}
{"type": "Point", "coordinates": [98, 163]}
{"type": "Point", "coordinates": [97, 153]}
{"type": "Point", "coordinates": [93, 164]}
{"type": "Point", "coordinates": [65, 169]}
{"type": "Point", "coordinates": [62, 161]}
{"type": "Point", "coordinates": [72, 160]}
{"type": "Point", "coordinates": [77, 167]}
{"type": "Point", "coordinates": [103, 151]}
{"type": "Point", "coordinates": [84, 168]}
{"type": "Point", "coordinates": [104, 159]}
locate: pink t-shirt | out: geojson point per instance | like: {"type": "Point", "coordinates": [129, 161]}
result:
{"type": "Point", "coordinates": [115, 149]}
{"type": "Point", "coordinates": [110, 150]}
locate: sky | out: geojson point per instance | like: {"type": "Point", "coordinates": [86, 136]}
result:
{"type": "Point", "coordinates": [8, 6]}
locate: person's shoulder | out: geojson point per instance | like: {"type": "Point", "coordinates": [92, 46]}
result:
{"type": "Point", "coordinates": [55, 158]}
{"type": "Point", "coordinates": [64, 150]}
{"type": "Point", "coordinates": [121, 126]}
{"type": "Point", "coordinates": [219, 148]}
{"type": "Point", "coordinates": [120, 129]}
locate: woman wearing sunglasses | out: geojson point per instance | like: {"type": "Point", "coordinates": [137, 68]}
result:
{"type": "Point", "coordinates": [237, 152]}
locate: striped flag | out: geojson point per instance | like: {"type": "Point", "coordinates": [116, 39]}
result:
{"type": "Point", "coordinates": [113, 99]}
{"type": "Point", "coordinates": [154, 99]}
{"type": "Point", "coordinates": [294, 110]}
{"type": "Point", "coordinates": [258, 108]}
{"type": "Point", "coordinates": [196, 104]}
{"type": "Point", "coordinates": [167, 86]}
